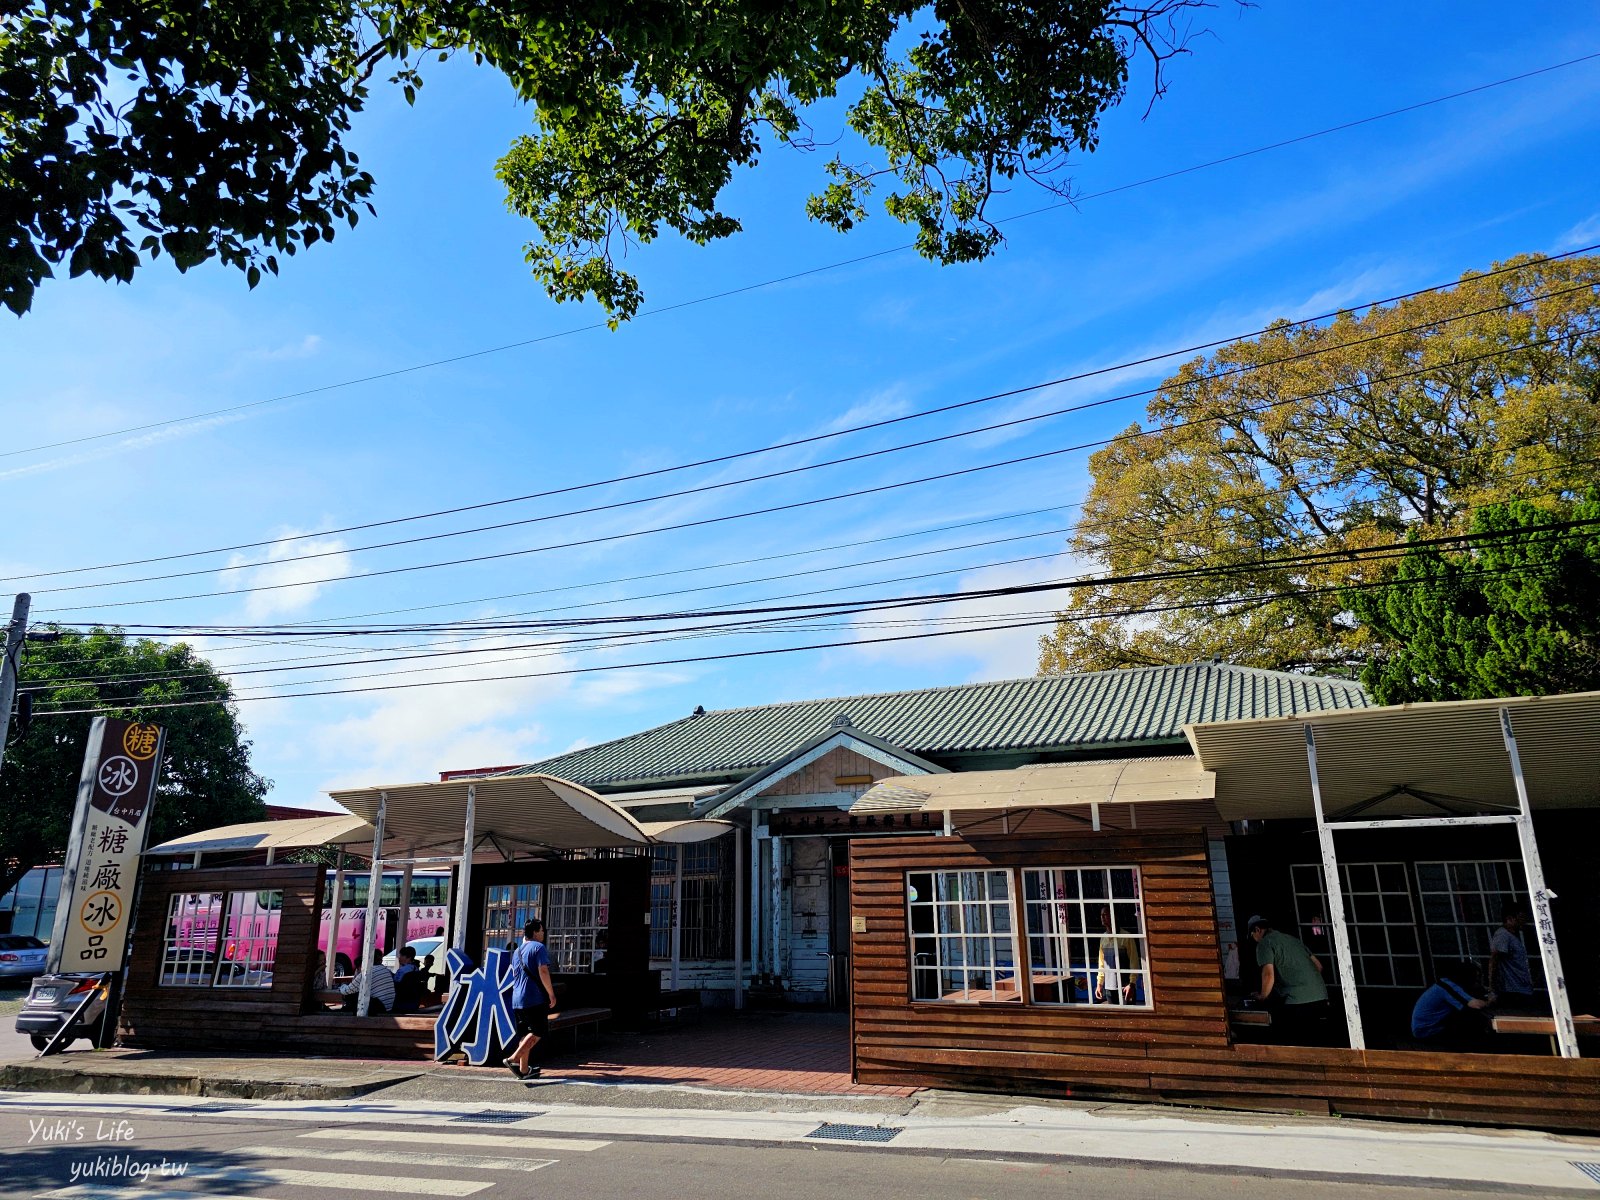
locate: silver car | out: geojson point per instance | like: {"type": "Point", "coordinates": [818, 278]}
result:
{"type": "Point", "coordinates": [21, 956]}
{"type": "Point", "coordinates": [54, 998]}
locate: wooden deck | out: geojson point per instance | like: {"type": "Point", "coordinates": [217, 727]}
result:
{"type": "Point", "coordinates": [1178, 1050]}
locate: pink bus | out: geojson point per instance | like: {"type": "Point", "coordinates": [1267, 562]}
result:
{"type": "Point", "coordinates": [247, 937]}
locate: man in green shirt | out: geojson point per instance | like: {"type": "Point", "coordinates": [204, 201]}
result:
{"type": "Point", "coordinates": [1293, 975]}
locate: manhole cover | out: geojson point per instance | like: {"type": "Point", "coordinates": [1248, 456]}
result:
{"type": "Point", "coordinates": [1592, 1170]}
{"type": "Point", "coordinates": [854, 1133]}
{"type": "Point", "coordinates": [493, 1117]}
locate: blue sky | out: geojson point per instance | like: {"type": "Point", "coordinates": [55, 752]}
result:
{"type": "Point", "coordinates": [1373, 211]}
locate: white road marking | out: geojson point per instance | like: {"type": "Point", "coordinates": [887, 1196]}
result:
{"type": "Point", "coordinates": [502, 1140]}
{"type": "Point", "coordinates": [287, 1176]}
{"type": "Point", "coordinates": [400, 1157]}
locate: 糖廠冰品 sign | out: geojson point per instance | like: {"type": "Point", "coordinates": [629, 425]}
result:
{"type": "Point", "coordinates": [120, 768]}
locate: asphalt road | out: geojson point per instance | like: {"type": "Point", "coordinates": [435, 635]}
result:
{"type": "Point", "coordinates": [63, 1156]}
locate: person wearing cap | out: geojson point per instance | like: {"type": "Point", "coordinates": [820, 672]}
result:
{"type": "Point", "coordinates": [1292, 976]}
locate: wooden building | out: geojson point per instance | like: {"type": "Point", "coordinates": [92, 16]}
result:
{"type": "Point", "coordinates": [1061, 933]}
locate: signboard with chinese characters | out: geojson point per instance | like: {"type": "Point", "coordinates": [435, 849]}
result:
{"type": "Point", "coordinates": [120, 768]}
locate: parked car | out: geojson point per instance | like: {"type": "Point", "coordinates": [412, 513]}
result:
{"type": "Point", "coordinates": [54, 998]}
{"type": "Point", "coordinates": [424, 946]}
{"type": "Point", "coordinates": [21, 956]}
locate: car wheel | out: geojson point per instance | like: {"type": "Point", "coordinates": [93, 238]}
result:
{"type": "Point", "coordinates": [342, 965]}
{"type": "Point", "coordinates": [39, 1040]}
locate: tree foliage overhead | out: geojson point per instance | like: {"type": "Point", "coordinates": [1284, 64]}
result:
{"type": "Point", "coordinates": [1513, 617]}
{"type": "Point", "coordinates": [206, 779]}
{"type": "Point", "coordinates": [131, 128]}
{"type": "Point", "coordinates": [1330, 437]}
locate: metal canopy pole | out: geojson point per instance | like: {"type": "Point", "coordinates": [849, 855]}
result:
{"type": "Point", "coordinates": [756, 935]}
{"type": "Point", "coordinates": [402, 928]}
{"type": "Point", "coordinates": [369, 931]}
{"type": "Point", "coordinates": [331, 952]}
{"type": "Point", "coordinates": [1335, 887]}
{"type": "Point", "coordinates": [1539, 900]}
{"type": "Point", "coordinates": [739, 903]}
{"type": "Point", "coordinates": [469, 839]}
{"type": "Point", "coordinates": [677, 912]}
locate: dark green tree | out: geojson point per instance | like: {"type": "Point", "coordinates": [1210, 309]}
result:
{"type": "Point", "coordinates": [206, 779]}
{"type": "Point", "coordinates": [134, 128]}
{"type": "Point", "coordinates": [1512, 617]}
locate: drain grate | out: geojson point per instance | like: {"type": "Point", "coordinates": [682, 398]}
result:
{"type": "Point", "coordinates": [854, 1133]}
{"type": "Point", "coordinates": [1592, 1170]}
{"type": "Point", "coordinates": [215, 1106]}
{"type": "Point", "coordinates": [495, 1117]}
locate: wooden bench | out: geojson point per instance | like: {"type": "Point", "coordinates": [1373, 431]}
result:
{"type": "Point", "coordinates": [678, 1002]}
{"type": "Point", "coordinates": [577, 1020]}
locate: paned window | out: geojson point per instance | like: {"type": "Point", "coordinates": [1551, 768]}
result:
{"type": "Point", "coordinates": [221, 940]}
{"type": "Point", "coordinates": [251, 943]}
{"type": "Point", "coordinates": [575, 918]}
{"type": "Point", "coordinates": [1382, 921]}
{"type": "Point", "coordinates": [1086, 936]}
{"type": "Point", "coordinates": [1463, 904]}
{"type": "Point", "coordinates": [506, 909]}
{"type": "Point", "coordinates": [963, 936]}
{"type": "Point", "coordinates": [707, 892]}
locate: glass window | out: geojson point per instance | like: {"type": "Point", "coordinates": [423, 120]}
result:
{"type": "Point", "coordinates": [507, 908]}
{"type": "Point", "coordinates": [963, 938]}
{"type": "Point", "coordinates": [251, 943]}
{"type": "Point", "coordinates": [576, 916]}
{"type": "Point", "coordinates": [189, 945]}
{"type": "Point", "coordinates": [1086, 936]}
{"type": "Point", "coordinates": [1463, 904]}
{"type": "Point", "coordinates": [707, 899]}
{"type": "Point", "coordinates": [1382, 922]}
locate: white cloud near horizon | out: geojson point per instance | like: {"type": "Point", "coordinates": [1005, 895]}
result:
{"type": "Point", "coordinates": [288, 569]}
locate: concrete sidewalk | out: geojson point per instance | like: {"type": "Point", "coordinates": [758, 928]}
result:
{"type": "Point", "coordinates": [948, 1125]}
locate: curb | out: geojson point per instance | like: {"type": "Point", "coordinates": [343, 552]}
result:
{"type": "Point", "coordinates": [76, 1080]}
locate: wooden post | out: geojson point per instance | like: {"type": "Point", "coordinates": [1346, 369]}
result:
{"type": "Point", "coordinates": [469, 837]}
{"type": "Point", "coordinates": [369, 932]}
{"type": "Point", "coordinates": [332, 950]}
{"type": "Point", "coordinates": [1335, 888]}
{"type": "Point", "coordinates": [739, 902]}
{"type": "Point", "coordinates": [1539, 901]}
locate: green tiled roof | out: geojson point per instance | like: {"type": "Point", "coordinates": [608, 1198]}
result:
{"type": "Point", "coordinates": [1094, 710]}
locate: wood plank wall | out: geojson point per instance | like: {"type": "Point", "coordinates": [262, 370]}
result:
{"type": "Point", "coordinates": [196, 1018]}
{"type": "Point", "coordinates": [1178, 1051]}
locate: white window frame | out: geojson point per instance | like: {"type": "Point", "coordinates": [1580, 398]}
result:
{"type": "Point", "coordinates": [247, 953]}
{"type": "Point", "coordinates": [576, 916]}
{"type": "Point", "coordinates": [1071, 960]}
{"type": "Point", "coordinates": [957, 933]}
{"type": "Point", "coordinates": [516, 904]}
{"type": "Point", "coordinates": [1493, 900]}
{"type": "Point", "coordinates": [1322, 944]}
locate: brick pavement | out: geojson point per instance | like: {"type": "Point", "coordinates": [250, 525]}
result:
{"type": "Point", "coordinates": [749, 1051]}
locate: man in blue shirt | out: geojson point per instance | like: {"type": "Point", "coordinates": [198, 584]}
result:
{"type": "Point", "coordinates": [1450, 1015]}
{"type": "Point", "coordinates": [533, 997]}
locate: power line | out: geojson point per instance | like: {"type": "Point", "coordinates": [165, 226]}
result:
{"type": "Point", "coordinates": [1053, 619]}
{"type": "Point", "coordinates": [806, 441]}
{"type": "Point", "coordinates": [746, 289]}
{"type": "Point", "coordinates": [877, 489]}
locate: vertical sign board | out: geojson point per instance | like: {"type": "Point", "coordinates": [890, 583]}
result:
{"type": "Point", "coordinates": [120, 768]}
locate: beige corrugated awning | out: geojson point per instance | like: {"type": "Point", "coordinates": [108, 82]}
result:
{"type": "Point", "coordinates": [1062, 785]}
{"type": "Point", "coordinates": [514, 814]}
{"type": "Point", "coordinates": [332, 830]}
{"type": "Point", "coordinates": [686, 832]}
{"type": "Point", "coordinates": [1407, 760]}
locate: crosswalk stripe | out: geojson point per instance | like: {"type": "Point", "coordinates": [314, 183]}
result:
{"type": "Point", "coordinates": [410, 1158]}
{"type": "Point", "coordinates": [503, 1140]}
{"type": "Point", "coordinates": [287, 1176]}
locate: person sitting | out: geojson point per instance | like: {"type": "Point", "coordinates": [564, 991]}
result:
{"type": "Point", "coordinates": [409, 982]}
{"type": "Point", "coordinates": [381, 999]}
{"type": "Point", "coordinates": [1450, 1015]}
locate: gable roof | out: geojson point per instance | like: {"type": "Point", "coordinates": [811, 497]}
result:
{"type": "Point", "coordinates": [1090, 711]}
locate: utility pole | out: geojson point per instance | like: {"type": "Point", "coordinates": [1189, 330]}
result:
{"type": "Point", "coordinates": [16, 635]}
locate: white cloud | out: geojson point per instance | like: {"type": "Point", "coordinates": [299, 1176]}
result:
{"type": "Point", "coordinates": [412, 734]}
{"type": "Point", "coordinates": [288, 569]}
{"type": "Point", "coordinates": [992, 654]}
{"type": "Point", "coordinates": [304, 348]}
{"type": "Point", "coordinates": [1585, 233]}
